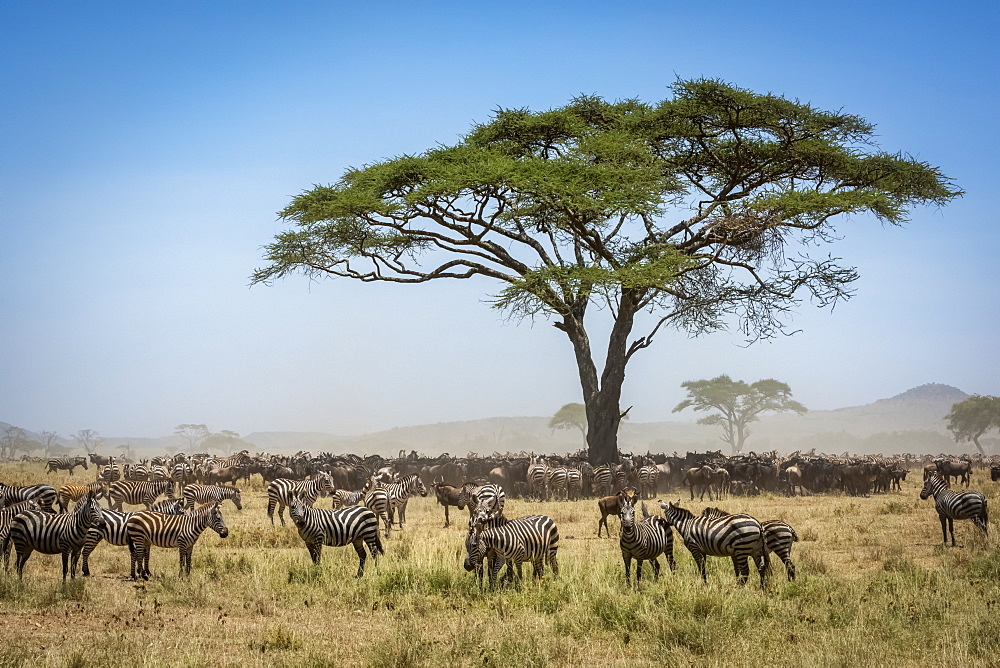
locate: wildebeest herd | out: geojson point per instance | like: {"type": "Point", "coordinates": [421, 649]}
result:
{"type": "Point", "coordinates": [369, 496]}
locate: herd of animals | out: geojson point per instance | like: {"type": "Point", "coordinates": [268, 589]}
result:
{"type": "Point", "coordinates": [369, 496]}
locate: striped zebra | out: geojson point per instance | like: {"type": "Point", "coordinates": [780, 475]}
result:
{"type": "Point", "coordinates": [537, 479]}
{"type": "Point", "coordinates": [70, 493]}
{"type": "Point", "coordinates": [356, 525]}
{"type": "Point", "coordinates": [952, 505]}
{"type": "Point", "coordinates": [44, 495]}
{"type": "Point", "coordinates": [557, 482]}
{"type": "Point", "coordinates": [138, 492]}
{"type": "Point", "coordinates": [114, 532]}
{"type": "Point", "coordinates": [778, 537]}
{"type": "Point", "coordinates": [145, 529]}
{"type": "Point", "coordinates": [182, 474]}
{"type": "Point", "coordinates": [736, 536]}
{"type": "Point", "coordinates": [603, 480]}
{"type": "Point", "coordinates": [65, 464]}
{"type": "Point", "coordinates": [7, 513]}
{"type": "Point", "coordinates": [240, 459]}
{"type": "Point", "coordinates": [169, 507]}
{"type": "Point", "coordinates": [644, 541]}
{"type": "Point", "coordinates": [136, 471]}
{"type": "Point", "coordinates": [399, 495]}
{"type": "Point", "coordinates": [343, 499]}
{"type": "Point", "coordinates": [489, 496]}
{"type": "Point", "coordinates": [210, 494]}
{"type": "Point", "coordinates": [38, 531]}
{"type": "Point", "coordinates": [280, 492]}
{"type": "Point", "coordinates": [499, 541]}
{"type": "Point", "coordinates": [110, 472]}
{"type": "Point", "coordinates": [647, 478]}
{"type": "Point", "coordinates": [574, 483]}
{"type": "Point", "coordinates": [377, 501]}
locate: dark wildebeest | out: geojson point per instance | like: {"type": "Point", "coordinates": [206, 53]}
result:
{"type": "Point", "coordinates": [793, 476]}
{"type": "Point", "coordinates": [949, 468]}
{"type": "Point", "coordinates": [703, 477]}
{"type": "Point", "coordinates": [448, 495]}
{"type": "Point", "coordinates": [612, 505]}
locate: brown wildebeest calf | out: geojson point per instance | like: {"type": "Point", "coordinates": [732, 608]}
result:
{"type": "Point", "coordinates": [612, 505]}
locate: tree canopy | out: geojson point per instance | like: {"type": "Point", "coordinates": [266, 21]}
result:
{"type": "Point", "coordinates": [738, 404]}
{"type": "Point", "coordinates": [570, 416]}
{"type": "Point", "coordinates": [971, 418]}
{"type": "Point", "coordinates": [707, 209]}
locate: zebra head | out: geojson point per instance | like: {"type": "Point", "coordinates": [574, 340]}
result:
{"type": "Point", "coordinates": [467, 496]}
{"type": "Point", "coordinates": [90, 509]}
{"type": "Point", "coordinates": [472, 559]}
{"type": "Point", "coordinates": [82, 461]}
{"type": "Point", "coordinates": [237, 499]}
{"type": "Point", "coordinates": [216, 522]}
{"type": "Point", "coordinates": [627, 512]}
{"type": "Point", "coordinates": [297, 510]}
{"type": "Point", "coordinates": [414, 484]}
{"type": "Point", "coordinates": [674, 513]}
{"type": "Point", "coordinates": [932, 485]}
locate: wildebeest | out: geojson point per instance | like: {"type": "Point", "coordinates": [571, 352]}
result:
{"type": "Point", "coordinates": [448, 495]}
{"type": "Point", "coordinates": [612, 505]}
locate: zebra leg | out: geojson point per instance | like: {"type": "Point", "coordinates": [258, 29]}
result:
{"type": "Point", "coordinates": [789, 568]}
{"type": "Point", "coordinates": [655, 561]}
{"type": "Point", "coordinates": [315, 551]}
{"type": "Point", "coordinates": [944, 528]}
{"type": "Point", "coordinates": [65, 564]}
{"type": "Point", "coordinates": [270, 509]}
{"type": "Point", "coordinates": [669, 554]}
{"type": "Point", "coordinates": [699, 559]}
{"type": "Point", "coordinates": [22, 559]}
{"type": "Point", "coordinates": [742, 569]}
{"type": "Point", "coordinates": [627, 558]}
{"type": "Point", "coordinates": [951, 530]}
{"type": "Point", "coordinates": [359, 547]}
{"type": "Point", "coordinates": [281, 513]}
{"type": "Point", "coordinates": [638, 572]}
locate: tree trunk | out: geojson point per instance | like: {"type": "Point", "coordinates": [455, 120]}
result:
{"type": "Point", "coordinates": [975, 439]}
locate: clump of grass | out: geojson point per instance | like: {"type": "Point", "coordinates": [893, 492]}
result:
{"type": "Point", "coordinates": [406, 648]}
{"type": "Point", "coordinates": [896, 508]}
{"type": "Point", "coordinates": [514, 652]}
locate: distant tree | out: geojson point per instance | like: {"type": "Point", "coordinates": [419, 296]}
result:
{"type": "Point", "coordinates": [194, 434]}
{"type": "Point", "coordinates": [88, 440]}
{"type": "Point", "coordinates": [226, 442]}
{"type": "Point", "coordinates": [49, 439]}
{"type": "Point", "coordinates": [706, 210]}
{"type": "Point", "coordinates": [12, 441]}
{"type": "Point", "coordinates": [973, 417]}
{"type": "Point", "coordinates": [738, 404]}
{"type": "Point", "coordinates": [571, 416]}
{"type": "Point", "coordinates": [57, 450]}
{"type": "Point", "coordinates": [126, 451]}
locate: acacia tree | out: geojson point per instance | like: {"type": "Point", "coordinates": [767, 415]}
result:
{"type": "Point", "coordinates": [738, 404]}
{"type": "Point", "coordinates": [570, 416]}
{"type": "Point", "coordinates": [688, 208]}
{"type": "Point", "coordinates": [193, 434]}
{"type": "Point", "coordinates": [971, 418]}
{"type": "Point", "coordinates": [88, 439]}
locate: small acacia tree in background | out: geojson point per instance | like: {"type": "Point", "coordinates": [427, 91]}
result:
{"type": "Point", "coordinates": [738, 404]}
{"type": "Point", "coordinates": [971, 418]}
{"type": "Point", "coordinates": [571, 416]}
{"type": "Point", "coordinates": [194, 434]}
{"type": "Point", "coordinates": [706, 210]}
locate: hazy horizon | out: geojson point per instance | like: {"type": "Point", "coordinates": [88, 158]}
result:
{"type": "Point", "coordinates": [147, 149]}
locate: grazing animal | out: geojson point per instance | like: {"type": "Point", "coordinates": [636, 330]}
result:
{"type": "Point", "coordinates": [603, 480]}
{"type": "Point", "coordinates": [647, 478]}
{"type": "Point", "coordinates": [952, 505]}
{"type": "Point", "coordinates": [644, 541]}
{"type": "Point", "coordinates": [211, 494]}
{"type": "Point", "coordinates": [6, 515]}
{"type": "Point", "coordinates": [490, 497]}
{"type": "Point", "coordinates": [113, 530]}
{"type": "Point", "coordinates": [145, 529]}
{"type": "Point", "coordinates": [534, 538]}
{"type": "Point", "coordinates": [399, 495]}
{"type": "Point", "coordinates": [574, 483]}
{"type": "Point", "coordinates": [557, 481]}
{"type": "Point", "coordinates": [702, 478]}
{"type": "Point", "coordinates": [38, 531]}
{"type": "Point", "coordinates": [138, 492]}
{"type": "Point", "coordinates": [357, 526]}
{"type": "Point", "coordinates": [71, 492]}
{"type": "Point", "coordinates": [342, 498]}
{"type": "Point", "coordinates": [611, 505]}
{"type": "Point", "coordinates": [736, 536]}
{"type": "Point", "coordinates": [537, 478]}
{"type": "Point", "coordinates": [377, 501]}
{"type": "Point", "coordinates": [43, 495]}
{"type": "Point", "coordinates": [447, 496]}
{"type": "Point", "coordinates": [65, 464]}
{"type": "Point", "coordinates": [99, 460]}
{"type": "Point", "coordinates": [169, 506]}
{"type": "Point", "coordinates": [280, 493]}
{"type": "Point", "coordinates": [778, 537]}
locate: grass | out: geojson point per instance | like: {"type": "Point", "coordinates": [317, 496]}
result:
{"type": "Point", "coordinates": [875, 586]}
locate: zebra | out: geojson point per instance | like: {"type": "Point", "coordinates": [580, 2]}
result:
{"type": "Point", "coordinates": [66, 464]}
{"type": "Point", "coordinates": [734, 536]}
{"type": "Point", "coordinates": [281, 491]}
{"type": "Point", "coordinates": [489, 496]}
{"type": "Point", "coordinates": [110, 472]}
{"type": "Point", "coordinates": [138, 492]}
{"type": "Point", "coordinates": [557, 480]}
{"type": "Point", "coordinates": [181, 474]}
{"type": "Point", "coordinates": [71, 492]}
{"type": "Point", "coordinates": [113, 530]}
{"type": "Point", "coordinates": [534, 538]}
{"type": "Point", "coordinates": [603, 480]}
{"type": "Point", "coordinates": [377, 501]}
{"type": "Point", "coordinates": [210, 494]}
{"type": "Point", "coordinates": [145, 529]}
{"type": "Point", "coordinates": [952, 505]}
{"type": "Point", "coordinates": [537, 478]}
{"type": "Point", "coordinates": [644, 541]}
{"type": "Point", "coordinates": [399, 495]}
{"type": "Point", "coordinates": [356, 525]}
{"type": "Point", "coordinates": [574, 483]}
{"type": "Point", "coordinates": [136, 471]}
{"type": "Point", "coordinates": [342, 498]}
{"type": "Point", "coordinates": [44, 495]}
{"type": "Point", "coordinates": [35, 530]}
{"type": "Point", "coordinates": [647, 479]}
{"type": "Point", "coordinates": [778, 537]}
{"type": "Point", "coordinates": [7, 513]}
{"type": "Point", "coordinates": [169, 507]}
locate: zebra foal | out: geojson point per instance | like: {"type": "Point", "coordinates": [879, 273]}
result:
{"type": "Point", "coordinates": [211, 494]}
{"type": "Point", "coordinates": [38, 531]}
{"type": "Point", "coordinates": [355, 525]}
{"type": "Point", "coordinates": [145, 529]}
{"type": "Point", "coordinates": [952, 505]}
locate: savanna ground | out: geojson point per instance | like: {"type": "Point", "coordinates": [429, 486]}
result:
{"type": "Point", "coordinates": [875, 587]}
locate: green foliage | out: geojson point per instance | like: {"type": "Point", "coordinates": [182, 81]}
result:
{"type": "Point", "coordinates": [570, 416]}
{"type": "Point", "coordinates": [968, 420]}
{"type": "Point", "coordinates": [738, 404]}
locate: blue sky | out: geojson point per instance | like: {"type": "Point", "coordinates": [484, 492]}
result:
{"type": "Point", "coordinates": [147, 146]}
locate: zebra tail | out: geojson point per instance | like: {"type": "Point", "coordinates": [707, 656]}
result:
{"type": "Point", "coordinates": [379, 550]}
{"type": "Point", "coordinates": [795, 536]}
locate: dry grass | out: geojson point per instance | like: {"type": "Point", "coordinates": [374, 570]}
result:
{"type": "Point", "coordinates": [875, 587]}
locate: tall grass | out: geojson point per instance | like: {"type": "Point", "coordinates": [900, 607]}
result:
{"type": "Point", "coordinates": [875, 586]}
